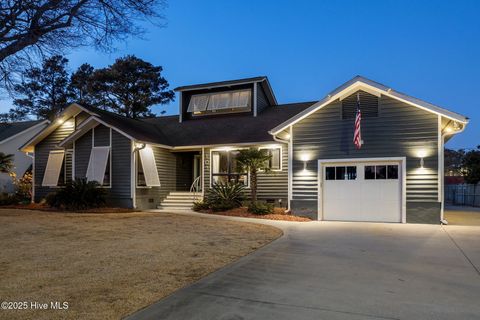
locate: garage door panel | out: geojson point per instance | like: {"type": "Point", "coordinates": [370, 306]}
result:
{"type": "Point", "coordinates": [362, 199]}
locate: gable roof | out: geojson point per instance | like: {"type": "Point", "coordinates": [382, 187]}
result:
{"type": "Point", "coordinates": [262, 80]}
{"type": "Point", "coordinates": [168, 132]}
{"type": "Point", "coordinates": [69, 112]}
{"type": "Point", "coordinates": [372, 87]}
{"type": "Point", "coordinates": [234, 129]}
{"type": "Point", "coordinates": [9, 130]}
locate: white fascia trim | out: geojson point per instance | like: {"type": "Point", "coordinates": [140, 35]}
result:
{"type": "Point", "coordinates": [290, 168]}
{"type": "Point", "coordinates": [359, 85]}
{"type": "Point", "coordinates": [403, 163]}
{"type": "Point", "coordinates": [223, 145]}
{"type": "Point", "coordinates": [78, 132]}
{"type": "Point", "coordinates": [26, 130]}
{"type": "Point", "coordinates": [54, 124]}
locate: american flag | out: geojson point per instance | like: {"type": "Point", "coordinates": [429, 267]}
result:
{"type": "Point", "coordinates": [357, 135]}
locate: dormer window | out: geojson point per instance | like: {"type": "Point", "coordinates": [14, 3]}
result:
{"type": "Point", "coordinates": [222, 102]}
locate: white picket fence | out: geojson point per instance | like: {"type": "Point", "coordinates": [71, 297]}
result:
{"type": "Point", "coordinates": [462, 194]}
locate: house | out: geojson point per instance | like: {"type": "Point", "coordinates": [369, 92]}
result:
{"type": "Point", "coordinates": [13, 135]}
{"type": "Point", "coordinates": [316, 169]}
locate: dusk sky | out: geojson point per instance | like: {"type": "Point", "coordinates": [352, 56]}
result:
{"type": "Point", "coordinates": [307, 48]}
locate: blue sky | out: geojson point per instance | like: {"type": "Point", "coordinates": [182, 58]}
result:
{"type": "Point", "coordinates": [307, 48]}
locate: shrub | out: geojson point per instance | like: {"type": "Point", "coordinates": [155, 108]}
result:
{"type": "Point", "coordinates": [8, 199]}
{"type": "Point", "coordinates": [79, 194]}
{"type": "Point", "coordinates": [260, 208]}
{"type": "Point", "coordinates": [200, 206]}
{"type": "Point", "coordinates": [23, 186]}
{"type": "Point", "coordinates": [225, 196]}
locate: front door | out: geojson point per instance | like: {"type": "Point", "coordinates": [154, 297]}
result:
{"type": "Point", "coordinates": [197, 170]}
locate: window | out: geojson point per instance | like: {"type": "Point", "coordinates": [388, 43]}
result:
{"type": "Point", "coordinates": [53, 169]}
{"type": "Point", "coordinates": [330, 173]}
{"type": "Point", "coordinates": [381, 172]}
{"type": "Point", "coordinates": [275, 162]}
{"type": "Point", "coordinates": [225, 168]}
{"type": "Point", "coordinates": [147, 173]}
{"type": "Point", "coordinates": [223, 102]}
{"type": "Point", "coordinates": [67, 167]}
{"type": "Point", "coordinates": [368, 106]}
{"type": "Point", "coordinates": [341, 173]}
{"type": "Point", "coordinates": [392, 172]}
{"type": "Point", "coordinates": [351, 173]}
{"type": "Point", "coordinates": [97, 165]}
{"type": "Point", "coordinates": [369, 172]}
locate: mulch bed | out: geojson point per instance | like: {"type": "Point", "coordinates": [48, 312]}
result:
{"type": "Point", "coordinates": [44, 207]}
{"type": "Point", "coordinates": [279, 214]}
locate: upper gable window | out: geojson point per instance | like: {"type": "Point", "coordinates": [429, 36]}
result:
{"type": "Point", "coordinates": [368, 106]}
{"type": "Point", "coordinates": [223, 102]}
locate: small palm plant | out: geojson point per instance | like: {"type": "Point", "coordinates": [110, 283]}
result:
{"type": "Point", "coordinates": [6, 162]}
{"type": "Point", "coordinates": [224, 196]}
{"type": "Point", "coordinates": [253, 160]}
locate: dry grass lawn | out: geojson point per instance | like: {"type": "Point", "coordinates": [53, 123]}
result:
{"type": "Point", "coordinates": [107, 266]}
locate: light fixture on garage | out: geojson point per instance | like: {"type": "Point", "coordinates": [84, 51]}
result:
{"type": "Point", "coordinates": [422, 154]}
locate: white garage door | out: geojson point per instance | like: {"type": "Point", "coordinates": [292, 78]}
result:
{"type": "Point", "coordinates": [368, 191]}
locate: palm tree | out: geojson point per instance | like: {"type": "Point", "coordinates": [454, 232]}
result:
{"type": "Point", "coordinates": [6, 162]}
{"type": "Point", "coordinates": [253, 160]}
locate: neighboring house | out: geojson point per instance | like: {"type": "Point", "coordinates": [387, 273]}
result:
{"type": "Point", "coordinates": [13, 135]}
{"type": "Point", "coordinates": [316, 169]}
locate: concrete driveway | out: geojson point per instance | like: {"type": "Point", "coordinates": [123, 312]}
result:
{"type": "Point", "coordinates": [335, 270]}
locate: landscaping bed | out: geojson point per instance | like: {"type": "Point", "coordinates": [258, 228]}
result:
{"type": "Point", "coordinates": [107, 266]}
{"type": "Point", "coordinates": [44, 207]}
{"type": "Point", "coordinates": [278, 214]}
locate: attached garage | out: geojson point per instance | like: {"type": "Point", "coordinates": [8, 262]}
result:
{"type": "Point", "coordinates": [362, 189]}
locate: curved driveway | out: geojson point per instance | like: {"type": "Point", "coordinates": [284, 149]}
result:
{"type": "Point", "coordinates": [340, 270]}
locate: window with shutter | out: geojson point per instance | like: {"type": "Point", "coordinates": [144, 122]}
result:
{"type": "Point", "coordinates": [53, 168]}
{"type": "Point", "coordinates": [97, 165]}
{"type": "Point", "coordinates": [147, 173]}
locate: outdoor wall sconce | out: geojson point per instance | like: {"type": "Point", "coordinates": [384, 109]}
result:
{"type": "Point", "coordinates": [422, 154]}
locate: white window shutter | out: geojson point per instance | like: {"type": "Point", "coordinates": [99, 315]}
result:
{"type": "Point", "coordinates": [198, 103]}
{"type": "Point", "coordinates": [97, 164]}
{"type": "Point", "coordinates": [52, 171]}
{"type": "Point", "coordinates": [149, 167]}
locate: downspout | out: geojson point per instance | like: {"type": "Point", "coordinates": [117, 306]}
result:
{"type": "Point", "coordinates": [443, 135]}
{"type": "Point", "coordinates": [290, 163]}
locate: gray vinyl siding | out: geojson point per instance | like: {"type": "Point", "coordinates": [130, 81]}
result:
{"type": "Point", "coordinates": [120, 191]}
{"type": "Point", "coordinates": [101, 136]}
{"type": "Point", "coordinates": [262, 101]}
{"type": "Point", "coordinates": [119, 194]}
{"type": "Point", "coordinates": [42, 150]}
{"type": "Point", "coordinates": [400, 130]}
{"type": "Point", "coordinates": [271, 186]}
{"type": "Point", "coordinates": [83, 148]}
{"type": "Point", "coordinates": [151, 197]}
{"type": "Point", "coordinates": [79, 118]}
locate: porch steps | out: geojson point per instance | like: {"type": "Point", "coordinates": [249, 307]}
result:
{"type": "Point", "coordinates": [179, 200]}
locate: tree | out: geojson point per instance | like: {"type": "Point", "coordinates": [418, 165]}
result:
{"type": "Point", "coordinates": [453, 161]}
{"type": "Point", "coordinates": [43, 91]}
{"type": "Point", "coordinates": [253, 160]}
{"type": "Point", "coordinates": [471, 166]}
{"type": "Point", "coordinates": [130, 87]}
{"type": "Point", "coordinates": [6, 162]}
{"type": "Point", "coordinates": [80, 85]}
{"type": "Point", "coordinates": [33, 28]}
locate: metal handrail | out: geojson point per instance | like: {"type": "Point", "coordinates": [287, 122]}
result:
{"type": "Point", "coordinates": [195, 187]}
